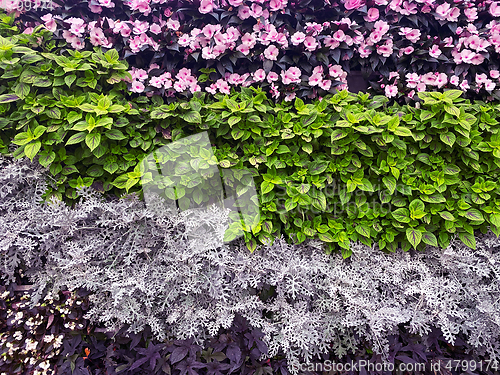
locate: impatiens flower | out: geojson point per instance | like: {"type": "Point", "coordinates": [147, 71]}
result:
{"type": "Point", "coordinates": [372, 15]}
{"type": "Point", "coordinates": [235, 3]}
{"type": "Point", "coordinates": [183, 41]}
{"type": "Point", "coordinates": [137, 87]}
{"type": "Point", "coordinates": [443, 10]}
{"type": "Point", "coordinates": [156, 82]}
{"type": "Point", "coordinates": [259, 75]}
{"type": "Point", "coordinates": [315, 79]}
{"type": "Point", "coordinates": [381, 26]}
{"type": "Point", "coordinates": [325, 84]}
{"type": "Point", "coordinates": [434, 51]}
{"type": "Point", "coordinates": [384, 50]}
{"type": "Point", "coordinates": [364, 52]}
{"type": "Point", "coordinates": [310, 43]}
{"type": "Point", "coordinates": [271, 52]}
{"type": "Point", "coordinates": [50, 23]}
{"type": "Point", "coordinates": [391, 91]}
{"type": "Point", "coordinates": [294, 73]}
{"type": "Point", "coordinates": [454, 80]}
{"type": "Point", "coordinates": [353, 4]}
{"type": "Point", "coordinates": [298, 38]}
{"type": "Point", "coordinates": [289, 97]}
{"type": "Point", "coordinates": [495, 9]}
{"type": "Point", "coordinates": [140, 27]}
{"type": "Point", "coordinates": [471, 14]}
{"type": "Point", "coordinates": [272, 77]}
{"type": "Point", "coordinates": [256, 11]}
{"type": "Point", "coordinates": [413, 35]}
{"type": "Point", "coordinates": [206, 6]}
{"type": "Point", "coordinates": [494, 74]}
{"type": "Point", "coordinates": [173, 24]}
{"type": "Point", "coordinates": [339, 36]}
{"type": "Point", "coordinates": [412, 80]}
{"type": "Point", "coordinates": [408, 50]}
{"type": "Point", "coordinates": [481, 78]}
{"type": "Point", "coordinates": [441, 80]}
{"type": "Point", "coordinates": [106, 3]}
{"type": "Point", "coordinates": [421, 87]}
{"type": "Point", "coordinates": [155, 29]}
{"type": "Point", "coordinates": [335, 70]}
{"type": "Point", "coordinates": [464, 85]}
{"type": "Point", "coordinates": [243, 48]}
{"type": "Point", "coordinates": [243, 12]}
{"type": "Point", "coordinates": [489, 85]}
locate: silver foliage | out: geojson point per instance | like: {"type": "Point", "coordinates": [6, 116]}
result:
{"type": "Point", "coordinates": [143, 270]}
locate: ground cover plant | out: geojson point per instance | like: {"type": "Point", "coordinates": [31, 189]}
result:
{"type": "Point", "coordinates": [142, 272]}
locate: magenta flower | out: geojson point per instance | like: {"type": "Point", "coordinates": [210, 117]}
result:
{"type": "Point", "coordinates": [494, 9]}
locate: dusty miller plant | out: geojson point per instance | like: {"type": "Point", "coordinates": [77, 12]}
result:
{"type": "Point", "coordinates": [169, 271]}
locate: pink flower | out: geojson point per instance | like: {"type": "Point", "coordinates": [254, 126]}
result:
{"type": "Point", "coordinates": [137, 86]}
{"type": "Point", "coordinates": [259, 75]}
{"type": "Point", "coordinates": [489, 85]}
{"type": "Point", "coordinates": [95, 9]}
{"type": "Point", "coordinates": [173, 24]}
{"type": "Point", "coordinates": [384, 50]}
{"type": "Point", "coordinates": [353, 4]}
{"type": "Point", "coordinates": [235, 3]}
{"type": "Point", "coordinates": [243, 48]}
{"type": "Point", "coordinates": [454, 80]}
{"type": "Point", "coordinates": [441, 80]}
{"type": "Point", "coordinates": [325, 84]}
{"type": "Point", "coordinates": [315, 79]}
{"type": "Point", "coordinates": [477, 59]}
{"type": "Point", "coordinates": [339, 36]}
{"type": "Point", "coordinates": [271, 52]}
{"type": "Point", "coordinates": [298, 37]}
{"type": "Point", "coordinates": [140, 27]}
{"type": "Point", "coordinates": [183, 41]}
{"type": "Point", "coordinates": [206, 6]}
{"type": "Point", "coordinates": [243, 12]}
{"type": "Point", "coordinates": [248, 40]}
{"type": "Point", "coordinates": [464, 85]}
{"type": "Point", "coordinates": [408, 50]}
{"type": "Point", "coordinates": [421, 87]}
{"type": "Point", "coordinates": [141, 74]}
{"type": "Point", "coordinates": [77, 44]}
{"type": "Point", "coordinates": [372, 15]}
{"type": "Point", "coordinates": [471, 14]}
{"type": "Point", "coordinates": [335, 70]}
{"type": "Point", "coordinates": [50, 23]}
{"type": "Point", "coordinates": [381, 26]}
{"type": "Point", "coordinates": [155, 29]}
{"type": "Point", "coordinates": [391, 91]}
{"type": "Point", "coordinates": [467, 56]}
{"type": "Point", "coordinates": [294, 73]}
{"type": "Point", "coordinates": [289, 97]}
{"type": "Point", "coordinates": [494, 74]}
{"type": "Point", "coordinates": [435, 51]}
{"type": "Point", "coordinates": [156, 82]}
{"type": "Point", "coordinates": [106, 3]}
{"type": "Point", "coordinates": [495, 9]}
{"type": "Point", "coordinates": [443, 10]}
{"type": "Point", "coordinates": [310, 43]}
{"type": "Point", "coordinates": [481, 78]}
{"type": "Point", "coordinates": [275, 5]}
{"type": "Point", "coordinates": [413, 35]}
{"type": "Point", "coordinates": [272, 77]}
{"type": "Point", "coordinates": [412, 80]}
{"type": "Point", "coordinates": [256, 11]}
{"type": "Point", "coordinates": [364, 52]}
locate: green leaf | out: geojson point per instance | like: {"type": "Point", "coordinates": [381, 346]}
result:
{"type": "Point", "coordinates": [237, 133]}
{"type": "Point", "coordinates": [402, 215]}
{"type": "Point", "coordinates": [448, 138]}
{"type": "Point", "coordinates": [95, 171]}
{"type": "Point", "coordinates": [22, 90]}
{"type": "Point", "coordinates": [46, 158]}
{"type": "Point", "coordinates": [417, 205]}
{"type": "Point", "coordinates": [266, 187]}
{"type": "Point", "coordinates": [70, 79]}
{"type": "Point", "coordinates": [77, 138]}
{"type": "Point", "coordinates": [429, 239]}
{"type": "Point", "coordinates": [31, 149]}
{"type": "Point", "coordinates": [282, 149]}
{"type": "Point", "coordinates": [73, 116]}
{"type": "Point", "coordinates": [402, 131]}
{"type": "Point", "coordinates": [326, 237]}
{"type": "Point", "coordinates": [363, 230]}
{"type": "Point", "coordinates": [7, 98]}
{"type": "Point", "coordinates": [192, 116]}
{"type": "Point", "coordinates": [426, 115]}
{"type": "Point", "coordinates": [452, 110]}
{"type": "Point", "coordinates": [317, 167]}
{"type": "Point", "coordinates": [390, 184]}
{"type": "Point", "coordinates": [114, 134]}
{"type": "Point", "coordinates": [447, 215]}
{"type": "Point", "coordinates": [92, 140]}
{"type": "Point", "coordinates": [303, 188]}
{"type": "Point", "coordinates": [414, 236]}
{"type": "Point", "coordinates": [495, 219]}
{"type": "Point", "coordinates": [468, 239]}
{"type": "Point", "coordinates": [339, 134]}
{"type": "Point", "coordinates": [111, 167]}
{"type": "Point", "coordinates": [473, 214]}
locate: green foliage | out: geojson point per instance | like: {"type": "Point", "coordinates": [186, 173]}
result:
{"type": "Point", "coordinates": [343, 169]}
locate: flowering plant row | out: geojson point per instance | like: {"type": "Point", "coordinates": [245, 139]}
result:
{"type": "Point", "coordinates": [298, 49]}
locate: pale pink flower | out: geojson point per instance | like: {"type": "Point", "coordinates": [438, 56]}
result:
{"type": "Point", "coordinates": [206, 6]}
{"type": "Point", "coordinates": [477, 59]}
{"type": "Point", "coordinates": [289, 97]}
{"type": "Point", "coordinates": [95, 8]}
{"type": "Point", "coordinates": [489, 85]}
{"type": "Point", "coordinates": [467, 56]}
{"type": "Point", "coordinates": [364, 52]}
{"type": "Point", "coordinates": [443, 10]}
{"type": "Point", "coordinates": [454, 80]}
{"type": "Point", "coordinates": [155, 28]}
{"type": "Point", "coordinates": [248, 40]}
{"type": "Point", "coordinates": [481, 78]}
{"type": "Point", "coordinates": [335, 70]}
{"type": "Point", "coordinates": [106, 3]}
{"type": "Point", "coordinates": [339, 36]}
{"type": "Point", "coordinates": [325, 84]}
{"type": "Point", "coordinates": [412, 80]}
{"type": "Point", "coordinates": [408, 50]}
{"type": "Point", "coordinates": [428, 79]}
{"type": "Point", "coordinates": [384, 50]}
{"type": "Point", "coordinates": [381, 26]}
{"type": "Point", "coordinates": [256, 10]}
{"type": "Point", "coordinates": [77, 44]}
{"type": "Point", "coordinates": [271, 52]}
{"type": "Point", "coordinates": [495, 9]}
{"type": "Point", "coordinates": [275, 5]}
{"type": "Point", "coordinates": [494, 74]}
{"type": "Point", "coordinates": [464, 85]}
{"type": "Point", "coordinates": [156, 82]}
{"type": "Point", "coordinates": [243, 12]}
{"type": "Point", "coordinates": [391, 91]}
{"type": "Point", "coordinates": [235, 3]}
{"type": "Point", "coordinates": [50, 23]}
{"type": "Point", "coordinates": [471, 14]}
{"type": "Point", "coordinates": [272, 77]}
{"type": "Point", "coordinates": [243, 48]}
{"type": "Point", "coordinates": [173, 24]}
{"type": "Point", "coordinates": [434, 51]}
{"type": "Point", "coordinates": [441, 80]}
{"type": "Point", "coordinates": [183, 41]}
{"type": "Point", "coordinates": [298, 37]}
{"type": "Point", "coordinates": [259, 75]}
{"type": "Point", "coordinates": [330, 42]}
{"type": "Point", "coordinates": [137, 86]}
{"type": "Point", "coordinates": [372, 15]}
{"type": "Point", "coordinates": [315, 79]}
{"type": "Point", "coordinates": [421, 87]}
{"type": "Point", "coordinates": [141, 74]}
{"type": "Point", "coordinates": [310, 43]}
